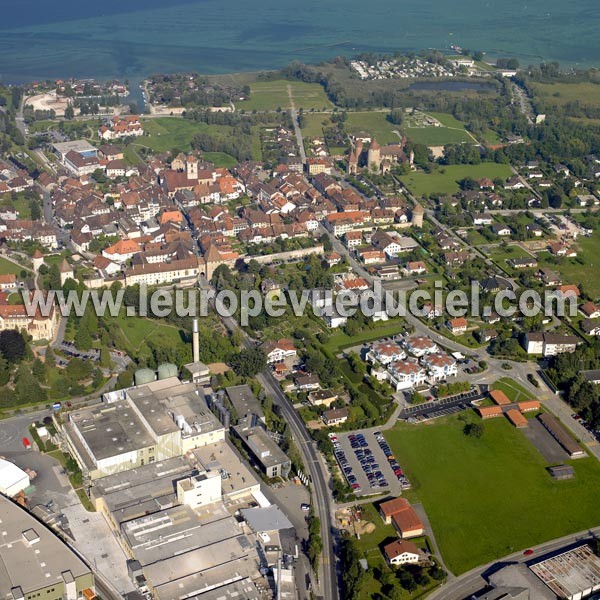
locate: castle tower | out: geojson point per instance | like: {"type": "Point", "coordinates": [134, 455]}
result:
{"type": "Point", "coordinates": [352, 162]}
{"type": "Point", "coordinates": [191, 167]}
{"type": "Point", "coordinates": [38, 260]}
{"type": "Point", "coordinates": [66, 272]}
{"type": "Point", "coordinates": [374, 156]}
{"type": "Point", "coordinates": [212, 259]}
{"type": "Point", "coordinates": [417, 216]}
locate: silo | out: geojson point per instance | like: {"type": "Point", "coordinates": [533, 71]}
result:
{"type": "Point", "coordinates": [143, 376]}
{"type": "Point", "coordinates": [167, 370]}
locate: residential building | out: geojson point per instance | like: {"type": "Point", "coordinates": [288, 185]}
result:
{"type": "Point", "coordinates": [457, 326]}
{"type": "Point", "coordinates": [406, 374]}
{"type": "Point", "coordinates": [439, 366]}
{"type": "Point", "coordinates": [279, 350]}
{"type": "Point", "coordinates": [402, 516]}
{"type": "Point", "coordinates": [335, 416]}
{"type": "Point", "coordinates": [402, 552]}
{"type": "Point", "coordinates": [549, 344]}
{"type": "Point", "coordinates": [271, 459]}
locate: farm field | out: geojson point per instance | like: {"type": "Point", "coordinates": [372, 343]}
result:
{"type": "Point", "coordinates": [271, 95]}
{"type": "Point", "coordinates": [483, 496]}
{"type": "Point", "coordinates": [445, 180]}
{"type": "Point", "coordinates": [559, 94]}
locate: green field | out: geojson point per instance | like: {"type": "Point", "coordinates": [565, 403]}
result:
{"type": "Point", "coordinates": [559, 94]}
{"type": "Point", "coordinates": [501, 255]}
{"type": "Point", "coordinates": [375, 124]}
{"type": "Point", "coordinates": [573, 272]}
{"type": "Point", "coordinates": [138, 330]}
{"type": "Point", "coordinates": [271, 95]}
{"type": "Point", "coordinates": [339, 341]}
{"type": "Point", "coordinates": [445, 180]}
{"type": "Point", "coordinates": [6, 267]}
{"type": "Point", "coordinates": [490, 497]}
{"type": "Point", "coordinates": [314, 123]}
{"type": "Point", "coordinates": [514, 391]}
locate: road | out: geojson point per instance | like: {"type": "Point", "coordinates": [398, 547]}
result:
{"type": "Point", "coordinates": [322, 499]}
{"type": "Point", "coordinates": [294, 115]}
{"type": "Point", "coordinates": [519, 96]}
{"type": "Point", "coordinates": [473, 581]}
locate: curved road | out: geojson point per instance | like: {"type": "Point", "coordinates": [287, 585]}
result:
{"type": "Point", "coordinates": [322, 499]}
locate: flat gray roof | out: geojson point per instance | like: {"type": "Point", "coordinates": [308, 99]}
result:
{"type": "Point", "coordinates": [27, 565]}
{"type": "Point", "coordinates": [237, 555]}
{"type": "Point", "coordinates": [264, 448]}
{"type": "Point", "coordinates": [244, 401]}
{"type": "Point", "coordinates": [237, 590]}
{"type": "Point", "coordinates": [111, 429]}
{"type": "Point", "coordinates": [270, 518]}
{"type": "Point", "coordinates": [75, 146]}
{"type": "Point", "coordinates": [177, 530]}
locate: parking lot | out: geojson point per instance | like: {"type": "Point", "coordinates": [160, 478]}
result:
{"type": "Point", "coordinates": [366, 467]}
{"type": "Point", "coordinates": [442, 406]}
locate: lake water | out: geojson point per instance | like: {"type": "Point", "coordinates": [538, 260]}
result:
{"type": "Point", "coordinates": [132, 38]}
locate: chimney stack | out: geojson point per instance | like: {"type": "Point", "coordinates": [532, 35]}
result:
{"type": "Point", "coordinates": [196, 341]}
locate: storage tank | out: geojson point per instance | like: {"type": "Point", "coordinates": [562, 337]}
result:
{"type": "Point", "coordinates": [167, 370]}
{"type": "Point", "coordinates": [143, 376]}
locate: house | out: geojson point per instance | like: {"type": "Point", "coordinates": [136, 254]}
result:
{"type": "Point", "coordinates": [429, 311]}
{"type": "Point", "coordinates": [353, 239]}
{"type": "Point", "coordinates": [500, 229]}
{"type": "Point", "coordinates": [453, 259]}
{"type": "Point", "coordinates": [332, 259]}
{"type": "Point", "coordinates": [586, 200]}
{"type": "Point", "coordinates": [322, 398]}
{"type": "Point", "coordinates": [535, 229]}
{"type": "Point", "coordinates": [8, 281]}
{"type": "Point", "coordinates": [457, 326]}
{"type": "Point", "coordinates": [549, 277]}
{"type": "Point", "coordinates": [569, 291]}
{"type": "Point", "coordinates": [590, 310]}
{"type": "Point", "coordinates": [522, 263]}
{"type": "Point", "coordinates": [335, 416]}
{"type": "Point", "coordinates": [402, 552]}
{"type": "Point", "coordinates": [591, 327]}
{"type": "Point", "coordinates": [415, 268]}
{"type": "Point", "coordinates": [494, 284]}
{"type": "Point", "coordinates": [514, 183]}
{"type": "Point", "coordinates": [486, 335]}
{"type": "Point", "coordinates": [480, 219]}
{"type": "Point", "coordinates": [278, 350]}
{"type": "Point", "coordinates": [528, 406]}
{"type": "Point", "coordinates": [402, 516]}
{"type": "Point", "coordinates": [307, 382]}
{"type": "Point", "coordinates": [371, 257]}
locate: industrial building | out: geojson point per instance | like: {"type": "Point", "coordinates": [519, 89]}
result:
{"type": "Point", "coordinates": [556, 430]}
{"type": "Point", "coordinates": [12, 479]}
{"type": "Point", "coordinates": [571, 575]}
{"type": "Point", "coordinates": [35, 563]}
{"type": "Point", "coordinates": [271, 459]}
{"type": "Point", "coordinates": [153, 421]}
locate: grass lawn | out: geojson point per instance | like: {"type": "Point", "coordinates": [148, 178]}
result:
{"type": "Point", "coordinates": [492, 496]}
{"type": "Point", "coordinates": [373, 123]}
{"type": "Point", "coordinates": [138, 330]}
{"type": "Point", "coordinates": [166, 133]}
{"type": "Point", "coordinates": [512, 389]}
{"type": "Point", "coordinates": [445, 180]}
{"type": "Point", "coordinates": [6, 267]}
{"type": "Point", "coordinates": [559, 94]}
{"type": "Point", "coordinates": [220, 159]}
{"type": "Point", "coordinates": [314, 123]}
{"type": "Point", "coordinates": [339, 341]}
{"type": "Point", "coordinates": [437, 136]}
{"type": "Point", "coordinates": [501, 255]}
{"type": "Point", "coordinates": [271, 95]}
{"type": "Point", "coordinates": [573, 272]}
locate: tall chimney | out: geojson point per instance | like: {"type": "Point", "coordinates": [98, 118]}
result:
{"type": "Point", "coordinates": [196, 341]}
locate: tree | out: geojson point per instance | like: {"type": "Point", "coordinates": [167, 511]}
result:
{"type": "Point", "coordinates": [474, 430]}
{"type": "Point", "coordinates": [396, 116]}
{"type": "Point", "coordinates": [49, 358]}
{"type": "Point", "coordinates": [69, 112]}
{"type": "Point", "coordinates": [12, 345]}
{"type": "Point", "coordinates": [38, 368]}
{"type": "Point", "coordinates": [248, 362]}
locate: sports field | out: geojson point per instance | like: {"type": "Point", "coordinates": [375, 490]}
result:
{"type": "Point", "coordinates": [492, 496]}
